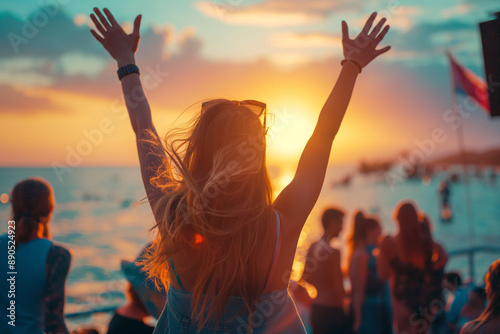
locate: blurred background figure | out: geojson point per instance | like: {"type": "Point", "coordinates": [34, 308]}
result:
{"type": "Point", "coordinates": [444, 194]}
{"type": "Point", "coordinates": [489, 320]}
{"type": "Point", "coordinates": [458, 295]}
{"type": "Point", "coordinates": [41, 265]}
{"type": "Point", "coordinates": [472, 309]}
{"type": "Point", "coordinates": [144, 301]}
{"type": "Point", "coordinates": [371, 299]}
{"type": "Point", "coordinates": [415, 264]}
{"type": "Point", "coordinates": [322, 269]}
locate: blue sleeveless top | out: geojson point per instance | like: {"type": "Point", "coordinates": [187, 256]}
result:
{"type": "Point", "coordinates": [374, 286]}
{"type": "Point", "coordinates": [30, 259]}
{"type": "Point", "coordinates": [275, 312]}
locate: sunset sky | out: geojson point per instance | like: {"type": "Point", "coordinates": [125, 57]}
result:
{"type": "Point", "coordinates": [58, 86]}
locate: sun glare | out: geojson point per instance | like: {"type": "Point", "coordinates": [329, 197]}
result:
{"type": "Point", "coordinates": [289, 132]}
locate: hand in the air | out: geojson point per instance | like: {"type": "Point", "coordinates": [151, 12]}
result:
{"type": "Point", "coordinates": [120, 45]}
{"type": "Point", "coordinates": [362, 49]}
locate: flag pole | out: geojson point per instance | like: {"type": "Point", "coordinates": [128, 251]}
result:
{"type": "Point", "coordinates": [459, 130]}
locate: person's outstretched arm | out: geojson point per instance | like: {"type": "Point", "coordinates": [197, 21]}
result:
{"type": "Point", "coordinates": [122, 48]}
{"type": "Point", "coordinates": [296, 201]}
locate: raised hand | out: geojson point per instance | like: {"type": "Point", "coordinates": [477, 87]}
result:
{"type": "Point", "coordinates": [120, 45]}
{"type": "Point", "coordinates": [362, 49]}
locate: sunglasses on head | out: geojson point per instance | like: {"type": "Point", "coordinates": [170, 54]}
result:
{"type": "Point", "coordinates": [257, 107]}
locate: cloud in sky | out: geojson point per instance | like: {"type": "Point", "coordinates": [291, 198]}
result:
{"type": "Point", "coordinates": [39, 37]}
{"type": "Point", "coordinates": [16, 101]}
{"type": "Point", "coordinates": [272, 13]}
{"type": "Point", "coordinates": [430, 40]}
{"type": "Point", "coordinates": [306, 39]}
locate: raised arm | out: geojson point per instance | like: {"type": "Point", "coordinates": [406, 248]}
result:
{"type": "Point", "coordinates": [122, 48]}
{"type": "Point", "coordinates": [296, 201]}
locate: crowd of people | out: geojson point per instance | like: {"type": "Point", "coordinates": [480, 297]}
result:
{"type": "Point", "coordinates": [395, 281]}
{"type": "Point", "coordinates": [224, 246]}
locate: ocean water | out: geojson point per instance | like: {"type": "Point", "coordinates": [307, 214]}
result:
{"type": "Point", "coordinates": [95, 218]}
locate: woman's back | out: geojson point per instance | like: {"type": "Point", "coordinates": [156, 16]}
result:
{"type": "Point", "coordinates": [187, 262]}
{"type": "Point", "coordinates": [278, 304]}
{"type": "Point", "coordinates": [28, 282]}
{"type": "Point", "coordinates": [274, 313]}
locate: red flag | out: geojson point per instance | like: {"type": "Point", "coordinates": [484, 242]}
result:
{"type": "Point", "coordinates": [468, 83]}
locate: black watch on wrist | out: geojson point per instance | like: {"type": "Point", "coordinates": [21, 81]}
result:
{"type": "Point", "coordinates": [126, 70]}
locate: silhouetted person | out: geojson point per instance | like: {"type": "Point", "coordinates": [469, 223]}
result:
{"type": "Point", "coordinates": [489, 321]}
{"type": "Point", "coordinates": [144, 301]}
{"type": "Point", "coordinates": [131, 318]}
{"type": "Point", "coordinates": [444, 194]}
{"type": "Point", "coordinates": [457, 298]}
{"type": "Point", "coordinates": [414, 263]}
{"type": "Point", "coordinates": [472, 309]}
{"type": "Point", "coordinates": [322, 269]}
{"type": "Point", "coordinates": [370, 296]}
{"type": "Point", "coordinates": [224, 247]}
{"type": "Point", "coordinates": [41, 265]}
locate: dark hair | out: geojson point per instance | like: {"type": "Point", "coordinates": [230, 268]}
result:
{"type": "Point", "coordinates": [481, 292]}
{"type": "Point", "coordinates": [331, 215]}
{"type": "Point", "coordinates": [32, 200]}
{"type": "Point", "coordinates": [415, 241]}
{"type": "Point", "coordinates": [453, 279]}
{"type": "Point", "coordinates": [360, 230]}
{"type": "Point", "coordinates": [361, 227]}
{"type": "Point", "coordinates": [427, 242]}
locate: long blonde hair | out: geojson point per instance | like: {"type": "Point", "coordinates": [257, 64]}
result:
{"type": "Point", "coordinates": [215, 205]}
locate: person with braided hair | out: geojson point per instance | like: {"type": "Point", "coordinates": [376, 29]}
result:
{"type": "Point", "coordinates": [36, 274]}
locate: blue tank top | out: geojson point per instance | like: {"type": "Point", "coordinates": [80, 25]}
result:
{"type": "Point", "coordinates": [374, 286]}
{"type": "Point", "coordinates": [30, 259]}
